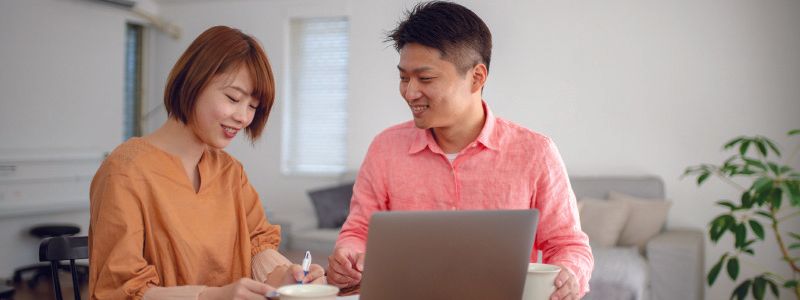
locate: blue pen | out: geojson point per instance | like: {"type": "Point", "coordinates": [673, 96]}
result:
{"type": "Point", "coordinates": [306, 263]}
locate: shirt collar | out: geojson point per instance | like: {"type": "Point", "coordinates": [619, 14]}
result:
{"type": "Point", "coordinates": [488, 136]}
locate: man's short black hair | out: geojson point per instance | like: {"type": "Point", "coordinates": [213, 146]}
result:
{"type": "Point", "coordinates": [457, 32]}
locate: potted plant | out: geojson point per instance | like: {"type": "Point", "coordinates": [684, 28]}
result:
{"type": "Point", "coordinates": [770, 199]}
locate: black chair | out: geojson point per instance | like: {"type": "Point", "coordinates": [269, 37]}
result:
{"type": "Point", "coordinates": [56, 249]}
{"type": "Point", "coordinates": [44, 231]}
{"type": "Point", "coordinates": [6, 291]}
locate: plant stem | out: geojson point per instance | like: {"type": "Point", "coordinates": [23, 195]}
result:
{"type": "Point", "coordinates": [782, 245]}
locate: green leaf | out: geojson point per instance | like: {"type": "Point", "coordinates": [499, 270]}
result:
{"type": "Point", "coordinates": [773, 287]}
{"type": "Point", "coordinates": [757, 229]}
{"type": "Point", "coordinates": [727, 204]}
{"type": "Point", "coordinates": [747, 171]}
{"type": "Point", "coordinates": [765, 214]}
{"type": "Point", "coordinates": [712, 275]}
{"type": "Point", "coordinates": [795, 235]}
{"type": "Point", "coordinates": [793, 132]}
{"type": "Point", "coordinates": [719, 225]}
{"type": "Point", "coordinates": [754, 163]}
{"type": "Point", "coordinates": [702, 178]}
{"type": "Point", "coordinates": [747, 200]}
{"type": "Point", "coordinates": [743, 147]}
{"type": "Point", "coordinates": [741, 291]}
{"type": "Point", "coordinates": [793, 190]}
{"type": "Point", "coordinates": [790, 284]}
{"type": "Point", "coordinates": [733, 268]}
{"type": "Point", "coordinates": [759, 287]}
{"type": "Point", "coordinates": [777, 198]}
{"type": "Point", "coordinates": [785, 169]}
{"type": "Point", "coordinates": [775, 169]}
{"type": "Point", "coordinates": [761, 184]}
{"type": "Point", "coordinates": [761, 147]}
{"type": "Point", "coordinates": [773, 147]}
{"type": "Point", "coordinates": [794, 246]}
{"type": "Point", "coordinates": [741, 234]}
{"type": "Point", "coordinates": [732, 142]}
{"type": "Point", "coordinates": [748, 250]}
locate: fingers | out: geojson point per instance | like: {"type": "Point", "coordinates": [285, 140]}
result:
{"type": "Point", "coordinates": [341, 264]}
{"type": "Point", "coordinates": [341, 281]}
{"type": "Point", "coordinates": [315, 272]}
{"type": "Point", "coordinates": [295, 274]}
{"type": "Point", "coordinates": [255, 286]}
{"type": "Point", "coordinates": [360, 257]}
{"type": "Point", "coordinates": [566, 286]}
{"type": "Point", "coordinates": [249, 289]}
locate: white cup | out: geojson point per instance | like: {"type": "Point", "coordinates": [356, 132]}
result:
{"type": "Point", "coordinates": [540, 282]}
{"type": "Point", "coordinates": [308, 292]}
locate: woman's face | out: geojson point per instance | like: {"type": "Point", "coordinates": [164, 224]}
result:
{"type": "Point", "coordinates": [224, 107]}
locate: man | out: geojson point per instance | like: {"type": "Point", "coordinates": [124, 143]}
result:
{"type": "Point", "coordinates": [456, 155]}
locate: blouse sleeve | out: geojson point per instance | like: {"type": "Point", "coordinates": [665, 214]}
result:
{"type": "Point", "coordinates": [117, 267]}
{"type": "Point", "coordinates": [263, 235]}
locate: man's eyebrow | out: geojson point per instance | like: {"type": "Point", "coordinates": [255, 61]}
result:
{"type": "Point", "coordinates": [417, 70]}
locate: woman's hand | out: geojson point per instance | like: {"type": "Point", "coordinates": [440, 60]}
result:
{"type": "Point", "coordinates": [292, 274]}
{"type": "Point", "coordinates": [242, 289]}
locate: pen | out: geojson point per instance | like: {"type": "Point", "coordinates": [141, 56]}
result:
{"type": "Point", "coordinates": [306, 263]}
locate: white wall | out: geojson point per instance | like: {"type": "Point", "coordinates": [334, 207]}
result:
{"type": "Point", "coordinates": [622, 86]}
{"type": "Point", "coordinates": [61, 79]}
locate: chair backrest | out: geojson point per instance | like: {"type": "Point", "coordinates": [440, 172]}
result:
{"type": "Point", "coordinates": [60, 248]}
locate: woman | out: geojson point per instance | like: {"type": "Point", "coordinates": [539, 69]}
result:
{"type": "Point", "coordinates": [174, 216]}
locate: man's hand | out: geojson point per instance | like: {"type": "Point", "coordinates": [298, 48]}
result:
{"type": "Point", "coordinates": [344, 267]}
{"type": "Point", "coordinates": [566, 285]}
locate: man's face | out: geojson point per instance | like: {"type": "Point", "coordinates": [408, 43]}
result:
{"type": "Point", "coordinates": [438, 95]}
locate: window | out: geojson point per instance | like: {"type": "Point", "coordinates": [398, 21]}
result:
{"type": "Point", "coordinates": [315, 127]}
{"type": "Point", "coordinates": [133, 82]}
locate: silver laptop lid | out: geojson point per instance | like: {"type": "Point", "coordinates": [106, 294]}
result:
{"type": "Point", "coordinates": [448, 254]}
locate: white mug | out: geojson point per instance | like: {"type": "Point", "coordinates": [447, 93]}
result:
{"type": "Point", "coordinates": [540, 281]}
{"type": "Point", "coordinates": [308, 292]}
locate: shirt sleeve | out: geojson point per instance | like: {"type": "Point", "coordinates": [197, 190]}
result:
{"type": "Point", "coordinates": [559, 233]}
{"type": "Point", "coordinates": [263, 235]}
{"type": "Point", "coordinates": [118, 269]}
{"type": "Point", "coordinates": [369, 195]}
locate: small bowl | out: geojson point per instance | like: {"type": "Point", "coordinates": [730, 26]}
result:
{"type": "Point", "coordinates": [308, 292]}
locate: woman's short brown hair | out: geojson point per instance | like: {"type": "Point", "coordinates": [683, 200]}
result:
{"type": "Point", "coordinates": [217, 50]}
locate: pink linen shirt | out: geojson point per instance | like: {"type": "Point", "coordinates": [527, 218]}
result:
{"type": "Point", "coordinates": [506, 167]}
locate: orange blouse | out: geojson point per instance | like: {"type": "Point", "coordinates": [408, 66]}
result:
{"type": "Point", "coordinates": [149, 228]}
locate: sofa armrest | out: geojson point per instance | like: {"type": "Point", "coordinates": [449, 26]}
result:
{"type": "Point", "coordinates": [676, 264]}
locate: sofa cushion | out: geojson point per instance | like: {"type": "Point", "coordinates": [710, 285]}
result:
{"type": "Point", "coordinates": [602, 220]}
{"type": "Point", "coordinates": [619, 273]}
{"type": "Point", "coordinates": [332, 205]}
{"type": "Point", "coordinates": [645, 220]}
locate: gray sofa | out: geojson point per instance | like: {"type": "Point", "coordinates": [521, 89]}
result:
{"type": "Point", "coordinates": [671, 268]}
{"type": "Point", "coordinates": [672, 265]}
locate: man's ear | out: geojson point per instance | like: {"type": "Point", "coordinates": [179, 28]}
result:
{"type": "Point", "coordinates": [479, 75]}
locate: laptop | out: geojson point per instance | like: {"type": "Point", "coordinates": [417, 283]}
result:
{"type": "Point", "coordinates": [448, 254]}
